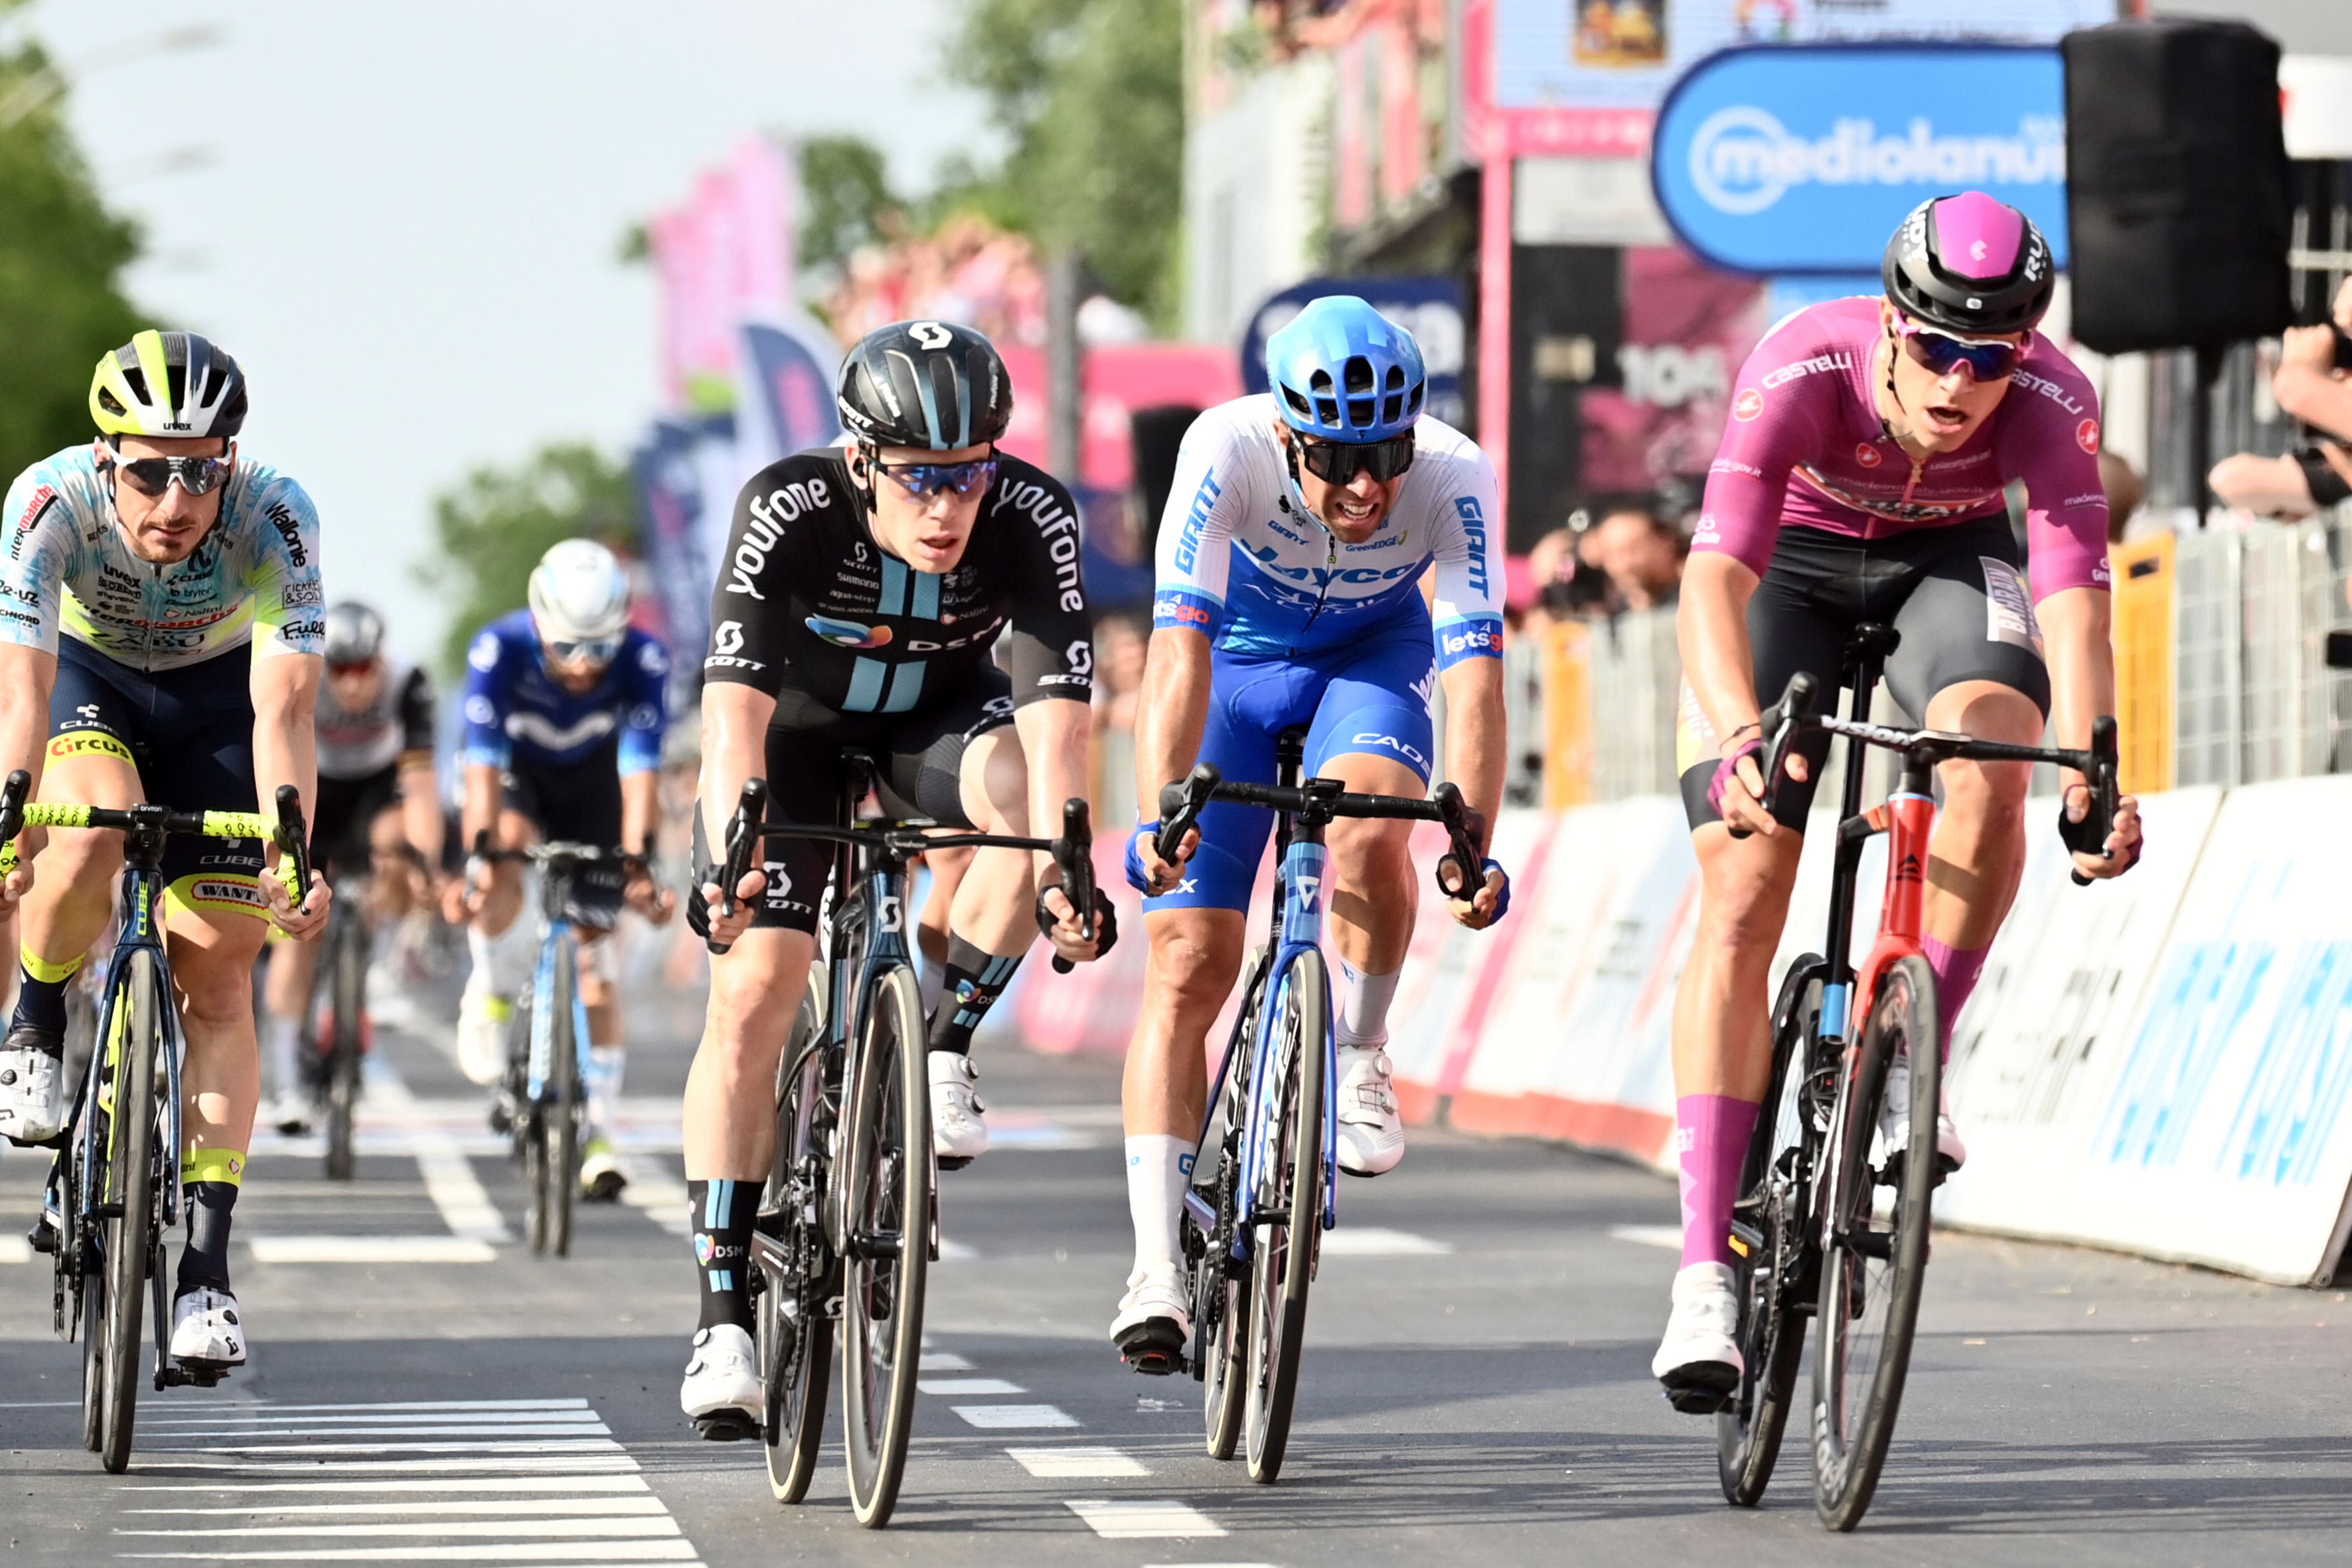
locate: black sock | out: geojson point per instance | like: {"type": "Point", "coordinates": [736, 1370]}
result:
{"type": "Point", "coordinates": [721, 1212]}
{"type": "Point", "coordinates": [41, 1003]}
{"type": "Point", "coordinates": [205, 1261]}
{"type": "Point", "coordinates": [975, 981]}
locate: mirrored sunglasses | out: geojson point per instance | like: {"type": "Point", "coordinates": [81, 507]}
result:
{"type": "Point", "coordinates": [963, 480]}
{"type": "Point", "coordinates": [591, 650]}
{"type": "Point", "coordinates": [1942, 352]}
{"type": "Point", "coordinates": [153, 476]}
{"type": "Point", "coordinates": [1336, 462]}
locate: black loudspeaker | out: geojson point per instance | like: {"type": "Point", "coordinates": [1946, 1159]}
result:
{"type": "Point", "coordinates": [1567, 321]}
{"type": "Point", "coordinates": [1154, 435]}
{"type": "Point", "coordinates": [2177, 186]}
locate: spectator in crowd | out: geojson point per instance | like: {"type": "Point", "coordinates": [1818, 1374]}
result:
{"type": "Point", "coordinates": [2310, 387]}
{"type": "Point", "coordinates": [2125, 492]}
{"type": "Point", "coordinates": [1564, 578]}
{"type": "Point", "coordinates": [1641, 554]}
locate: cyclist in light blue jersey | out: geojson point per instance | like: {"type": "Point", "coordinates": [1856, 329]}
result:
{"type": "Point", "coordinates": [1302, 528]}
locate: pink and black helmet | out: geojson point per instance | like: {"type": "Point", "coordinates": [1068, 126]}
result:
{"type": "Point", "coordinates": [1969, 264]}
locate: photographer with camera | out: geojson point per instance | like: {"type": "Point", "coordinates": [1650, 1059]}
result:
{"type": "Point", "coordinates": [2313, 384]}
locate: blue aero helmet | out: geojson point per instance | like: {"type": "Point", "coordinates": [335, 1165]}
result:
{"type": "Point", "coordinates": [1342, 371]}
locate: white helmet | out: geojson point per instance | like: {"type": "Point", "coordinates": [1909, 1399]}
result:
{"type": "Point", "coordinates": [579, 594]}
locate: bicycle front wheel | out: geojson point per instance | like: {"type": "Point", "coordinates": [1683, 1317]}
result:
{"type": "Point", "coordinates": [1287, 1209]}
{"type": "Point", "coordinates": [1874, 1267]}
{"type": "Point", "coordinates": [1773, 1274]}
{"type": "Point", "coordinates": [793, 1270]}
{"type": "Point", "coordinates": [347, 989]}
{"type": "Point", "coordinates": [885, 1169]}
{"type": "Point", "coordinates": [131, 1187]}
{"type": "Point", "coordinates": [1221, 1303]}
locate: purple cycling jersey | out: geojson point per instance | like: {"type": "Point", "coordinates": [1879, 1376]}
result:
{"type": "Point", "coordinates": [1805, 446]}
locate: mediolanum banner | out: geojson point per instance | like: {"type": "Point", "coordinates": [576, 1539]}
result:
{"type": "Point", "coordinates": [1804, 158]}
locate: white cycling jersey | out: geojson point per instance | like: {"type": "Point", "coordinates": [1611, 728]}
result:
{"type": "Point", "coordinates": [1242, 558]}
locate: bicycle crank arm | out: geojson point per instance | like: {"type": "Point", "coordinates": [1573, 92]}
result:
{"type": "Point", "coordinates": [1204, 1212]}
{"type": "Point", "coordinates": [769, 1254]}
{"type": "Point", "coordinates": [874, 1244]}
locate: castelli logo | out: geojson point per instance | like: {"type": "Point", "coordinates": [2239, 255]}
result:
{"type": "Point", "coordinates": [2086, 435]}
{"type": "Point", "coordinates": [1750, 405]}
{"type": "Point", "coordinates": [1867, 455]}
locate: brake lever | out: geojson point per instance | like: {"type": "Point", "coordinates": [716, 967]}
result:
{"type": "Point", "coordinates": [294, 839]}
{"type": "Point", "coordinates": [1074, 852]}
{"type": "Point", "coordinates": [1180, 805]}
{"type": "Point", "coordinates": [742, 835]}
{"type": "Point", "coordinates": [1782, 723]}
{"type": "Point", "coordinates": [2089, 837]}
{"type": "Point", "coordinates": [1462, 851]}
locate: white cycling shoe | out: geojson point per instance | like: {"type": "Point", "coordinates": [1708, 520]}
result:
{"type": "Point", "coordinates": [32, 1094]}
{"type": "Point", "coordinates": [207, 1329]}
{"type": "Point", "coordinates": [1895, 1117]}
{"type": "Point", "coordinates": [482, 1021]}
{"type": "Point", "coordinates": [1371, 1129]}
{"type": "Point", "coordinates": [721, 1394]}
{"type": "Point", "coordinates": [603, 1176]}
{"type": "Point", "coordinates": [1154, 1321]}
{"type": "Point", "coordinates": [289, 1113]}
{"type": "Point", "coordinates": [959, 1135]}
{"type": "Point", "coordinates": [1698, 1361]}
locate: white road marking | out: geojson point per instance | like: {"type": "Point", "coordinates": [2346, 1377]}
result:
{"type": "Point", "coordinates": [449, 1179]}
{"type": "Point", "coordinates": [968, 1385]}
{"type": "Point", "coordinates": [438, 1484]}
{"type": "Point", "coordinates": [566, 1446]}
{"type": "Point", "coordinates": [655, 1193]}
{"type": "Point", "coordinates": [276, 1417]}
{"type": "Point", "coordinates": [310, 1434]}
{"type": "Point", "coordinates": [464, 1530]}
{"type": "Point", "coordinates": [1010, 1417]}
{"type": "Point", "coordinates": [552, 1551]}
{"type": "Point", "coordinates": [486, 1464]}
{"type": "Point", "coordinates": [1373, 1241]}
{"type": "Point", "coordinates": [15, 1249]}
{"type": "Point", "coordinates": [956, 1252]}
{"type": "Point", "coordinates": [371, 1249]}
{"type": "Point", "coordinates": [390, 1406]}
{"type": "Point", "coordinates": [1648, 1234]}
{"type": "Point", "coordinates": [581, 1507]}
{"type": "Point", "coordinates": [1143, 1518]}
{"type": "Point", "coordinates": [933, 1360]}
{"type": "Point", "coordinates": [1075, 1463]}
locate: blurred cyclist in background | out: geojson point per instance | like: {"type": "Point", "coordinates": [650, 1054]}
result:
{"type": "Point", "coordinates": [565, 707]}
{"type": "Point", "coordinates": [379, 811]}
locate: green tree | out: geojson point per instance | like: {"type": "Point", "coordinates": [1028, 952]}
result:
{"type": "Point", "coordinates": [846, 200]}
{"type": "Point", "coordinates": [61, 260]}
{"type": "Point", "coordinates": [1090, 94]}
{"type": "Point", "coordinates": [493, 528]}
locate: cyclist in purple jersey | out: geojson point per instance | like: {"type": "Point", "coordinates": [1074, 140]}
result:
{"type": "Point", "coordinates": [1861, 481]}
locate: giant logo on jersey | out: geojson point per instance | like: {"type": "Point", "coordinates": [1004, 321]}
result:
{"type": "Point", "coordinates": [848, 633]}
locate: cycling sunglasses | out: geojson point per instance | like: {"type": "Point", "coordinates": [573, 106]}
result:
{"type": "Point", "coordinates": [349, 666]}
{"type": "Point", "coordinates": [1336, 462]}
{"type": "Point", "coordinates": [152, 476]}
{"type": "Point", "coordinates": [594, 650]}
{"type": "Point", "coordinates": [963, 480]}
{"type": "Point", "coordinates": [1940, 352]}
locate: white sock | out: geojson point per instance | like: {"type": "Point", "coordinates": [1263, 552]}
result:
{"type": "Point", "coordinates": [283, 1038]}
{"type": "Point", "coordinates": [479, 979]}
{"type": "Point", "coordinates": [605, 1065]}
{"type": "Point", "coordinates": [1361, 1005]}
{"type": "Point", "coordinates": [1158, 1167]}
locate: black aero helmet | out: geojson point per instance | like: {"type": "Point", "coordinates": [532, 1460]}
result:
{"type": "Point", "coordinates": [1967, 263]}
{"type": "Point", "coordinates": [354, 633]}
{"type": "Point", "coordinates": [168, 384]}
{"type": "Point", "coordinates": [929, 384]}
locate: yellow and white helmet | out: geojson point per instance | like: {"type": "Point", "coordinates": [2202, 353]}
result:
{"type": "Point", "coordinates": [579, 594]}
{"type": "Point", "coordinates": [168, 384]}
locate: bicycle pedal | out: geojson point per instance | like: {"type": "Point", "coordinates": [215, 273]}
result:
{"type": "Point", "coordinates": [954, 1162]}
{"type": "Point", "coordinates": [727, 1426]}
{"type": "Point", "coordinates": [1154, 1347]}
{"type": "Point", "coordinates": [1702, 1388]}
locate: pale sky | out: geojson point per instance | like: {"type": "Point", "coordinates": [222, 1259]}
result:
{"type": "Point", "coordinates": [403, 219]}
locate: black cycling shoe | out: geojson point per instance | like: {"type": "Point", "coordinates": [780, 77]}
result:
{"type": "Point", "coordinates": [1701, 1387]}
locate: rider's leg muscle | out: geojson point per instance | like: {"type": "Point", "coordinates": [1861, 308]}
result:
{"type": "Point", "coordinates": [1195, 955]}
{"type": "Point", "coordinates": [74, 876]}
{"type": "Point", "coordinates": [1979, 848]}
{"type": "Point", "coordinates": [755, 989]}
{"type": "Point", "coordinates": [211, 955]}
{"type": "Point", "coordinates": [993, 907]}
{"type": "Point", "coordinates": [1722, 1043]}
{"type": "Point", "coordinates": [1373, 893]}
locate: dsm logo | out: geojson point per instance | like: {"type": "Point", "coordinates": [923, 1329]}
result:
{"type": "Point", "coordinates": [849, 634]}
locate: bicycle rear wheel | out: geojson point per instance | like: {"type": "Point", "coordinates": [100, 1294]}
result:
{"type": "Point", "coordinates": [347, 988]}
{"type": "Point", "coordinates": [886, 1171]}
{"type": "Point", "coordinates": [1772, 1276]}
{"type": "Point", "coordinates": [1287, 1211]}
{"type": "Point", "coordinates": [129, 1184]}
{"type": "Point", "coordinates": [788, 1247]}
{"type": "Point", "coordinates": [1221, 1305]}
{"type": "Point", "coordinates": [1873, 1270]}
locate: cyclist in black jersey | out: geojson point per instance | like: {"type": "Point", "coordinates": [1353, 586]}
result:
{"type": "Point", "coordinates": [915, 596]}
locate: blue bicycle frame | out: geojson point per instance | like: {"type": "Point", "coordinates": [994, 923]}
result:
{"type": "Point", "coordinates": [542, 1010]}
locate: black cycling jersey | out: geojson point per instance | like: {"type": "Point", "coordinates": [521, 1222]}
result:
{"type": "Point", "coordinates": [807, 601]}
{"type": "Point", "coordinates": [358, 743]}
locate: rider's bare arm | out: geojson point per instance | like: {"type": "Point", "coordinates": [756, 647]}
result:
{"type": "Point", "coordinates": [1055, 735]}
{"type": "Point", "coordinates": [1712, 631]}
{"type": "Point", "coordinates": [285, 687]}
{"type": "Point", "coordinates": [421, 822]}
{"type": "Point", "coordinates": [479, 812]}
{"type": "Point", "coordinates": [1169, 718]}
{"type": "Point", "coordinates": [1475, 748]}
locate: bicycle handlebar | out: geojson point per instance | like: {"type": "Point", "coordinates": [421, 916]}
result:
{"type": "Point", "coordinates": [1073, 852]}
{"type": "Point", "coordinates": [287, 830]}
{"type": "Point", "coordinates": [2099, 764]}
{"type": "Point", "coordinates": [1180, 805]}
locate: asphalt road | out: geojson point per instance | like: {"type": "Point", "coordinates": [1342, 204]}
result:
{"type": "Point", "coordinates": [1476, 1390]}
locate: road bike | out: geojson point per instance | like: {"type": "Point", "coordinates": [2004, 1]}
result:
{"type": "Point", "coordinates": [1261, 1192]}
{"type": "Point", "coordinates": [115, 1187]}
{"type": "Point", "coordinates": [849, 1219]}
{"type": "Point", "coordinates": [543, 1098]}
{"type": "Point", "coordinates": [336, 1023]}
{"type": "Point", "coordinates": [1813, 1232]}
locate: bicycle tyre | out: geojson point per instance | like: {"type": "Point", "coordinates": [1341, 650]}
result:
{"type": "Point", "coordinates": [1769, 1220]}
{"type": "Point", "coordinates": [1282, 1265]}
{"type": "Point", "coordinates": [564, 1089]}
{"type": "Point", "coordinates": [348, 989]}
{"type": "Point", "coordinates": [1221, 1303]}
{"type": "Point", "coordinates": [886, 1176]}
{"type": "Point", "coordinates": [1850, 1437]}
{"type": "Point", "coordinates": [795, 1375]}
{"type": "Point", "coordinates": [89, 1287]}
{"type": "Point", "coordinates": [130, 1183]}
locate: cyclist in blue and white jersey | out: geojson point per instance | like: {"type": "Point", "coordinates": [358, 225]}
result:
{"type": "Point", "coordinates": [566, 704]}
{"type": "Point", "coordinates": [1291, 564]}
